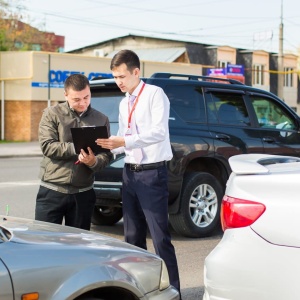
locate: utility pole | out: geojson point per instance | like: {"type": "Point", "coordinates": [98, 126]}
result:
{"type": "Point", "coordinates": [280, 58]}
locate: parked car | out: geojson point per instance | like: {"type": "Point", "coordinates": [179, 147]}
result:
{"type": "Point", "coordinates": [46, 261]}
{"type": "Point", "coordinates": [258, 256]}
{"type": "Point", "coordinates": [210, 121]}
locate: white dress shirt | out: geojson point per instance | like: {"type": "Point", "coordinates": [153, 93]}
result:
{"type": "Point", "coordinates": [152, 119]}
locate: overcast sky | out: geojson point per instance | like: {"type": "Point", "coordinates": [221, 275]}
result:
{"type": "Point", "coordinates": [251, 24]}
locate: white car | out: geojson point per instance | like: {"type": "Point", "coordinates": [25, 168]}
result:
{"type": "Point", "coordinates": [258, 257]}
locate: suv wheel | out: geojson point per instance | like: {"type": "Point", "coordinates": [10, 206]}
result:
{"type": "Point", "coordinates": [106, 215]}
{"type": "Point", "coordinates": [200, 204]}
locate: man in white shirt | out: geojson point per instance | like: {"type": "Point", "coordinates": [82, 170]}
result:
{"type": "Point", "coordinates": [144, 137]}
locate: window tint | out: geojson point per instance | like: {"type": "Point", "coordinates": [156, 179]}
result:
{"type": "Point", "coordinates": [270, 114]}
{"type": "Point", "coordinates": [187, 101]}
{"type": "Point", "coordinates": [227, 108]}
{"type": "Point", "coordinates": [107, 103]}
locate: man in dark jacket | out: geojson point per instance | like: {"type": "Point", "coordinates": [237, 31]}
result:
{"type": "Point", "coordinates": [66, 189]}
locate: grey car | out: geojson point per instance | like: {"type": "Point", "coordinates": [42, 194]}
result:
{"type": "Point", "coordinates": [43, 261]}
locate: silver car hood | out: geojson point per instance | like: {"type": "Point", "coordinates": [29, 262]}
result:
{"type": "Point", "coordinates": [38, 250]}
{"type": "Point", "coordinates": [33, 232]}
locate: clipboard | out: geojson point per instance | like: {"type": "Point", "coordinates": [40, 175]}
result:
{"type": "Point", "coordinates": [86, 136]}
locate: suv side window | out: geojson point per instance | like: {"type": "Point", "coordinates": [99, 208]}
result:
{"type": "Point", "coordinates": [229, 108]}
{"type": "Point", "coordinates": [187, 101]}
{"type": "Point", "coordinates": [270, 114]}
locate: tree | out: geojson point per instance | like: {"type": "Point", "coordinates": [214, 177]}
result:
{"type": "Point", "coordinates": [16, 34]}
{"type": "Point", "coordinates": [3, 46]}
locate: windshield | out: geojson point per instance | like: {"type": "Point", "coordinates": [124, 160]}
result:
{"type": "Point", "coordinates": [108, 104]}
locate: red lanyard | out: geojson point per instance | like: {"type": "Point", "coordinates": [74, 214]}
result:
{"type": "Point", "coordinates": [130, 112]}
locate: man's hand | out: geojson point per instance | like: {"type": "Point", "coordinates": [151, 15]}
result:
{"type": "Point", "coordinates": [111, 143]}
{"type": "Point", "coordinates": [88, 159]}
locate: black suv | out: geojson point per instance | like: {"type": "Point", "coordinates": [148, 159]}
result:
{"type": "Point", "coordinates": [210, 120]}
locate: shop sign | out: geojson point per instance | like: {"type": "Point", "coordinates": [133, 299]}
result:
{"type": "Point", "coordinates": [58, 77]}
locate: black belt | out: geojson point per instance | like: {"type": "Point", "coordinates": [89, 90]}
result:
{"type": "Point", "coordinates": [138, 168]}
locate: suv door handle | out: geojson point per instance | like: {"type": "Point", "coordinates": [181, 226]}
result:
{"type": "Point", "coordinates": [268, 140]}
{"type": "Point", "coordinates": [222, 137]}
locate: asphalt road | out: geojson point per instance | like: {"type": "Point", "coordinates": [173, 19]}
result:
{"type": "Point", "coordinates": [18, 187]}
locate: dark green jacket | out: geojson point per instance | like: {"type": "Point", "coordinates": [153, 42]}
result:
{"type": "Point", "coordinates": [58, 170]}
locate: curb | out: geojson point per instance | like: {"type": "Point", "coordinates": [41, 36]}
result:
{"type": "Point", "coordinates": [20, 155]}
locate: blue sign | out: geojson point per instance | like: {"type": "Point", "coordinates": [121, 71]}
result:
{"type": "Point", "coordinates": [235, 70]}
{"type": "Point", "coordinates": [58, 77]}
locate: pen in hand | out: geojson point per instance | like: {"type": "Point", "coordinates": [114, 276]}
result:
{"type": "Point", "coordinates": [84, 157]}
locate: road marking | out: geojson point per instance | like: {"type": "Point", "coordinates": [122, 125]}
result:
{"type": "Point", "coordinates": [19, 183]}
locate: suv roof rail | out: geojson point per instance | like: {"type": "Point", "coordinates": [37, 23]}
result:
{"type": "Point", "coordinates": [195, 77]}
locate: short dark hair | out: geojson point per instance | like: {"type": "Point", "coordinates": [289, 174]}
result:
{"type": "Point", "coordinates": [127, 57]}
{"type": "Point", "coordinates": [76, 82]}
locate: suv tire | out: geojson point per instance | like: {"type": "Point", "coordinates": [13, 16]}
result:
{"type": "Point", "coordinates": [106, 214]}
{"type": "Point", "coordinates": [200, 206]}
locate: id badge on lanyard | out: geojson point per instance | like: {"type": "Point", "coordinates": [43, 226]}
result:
{"type": "Point", "coordinates": [128, 131]}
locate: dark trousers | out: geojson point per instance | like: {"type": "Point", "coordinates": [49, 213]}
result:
{"type": "Point", "coordinates": [145, 202]}
{"type": "Point", "coordinates": [75, 209]}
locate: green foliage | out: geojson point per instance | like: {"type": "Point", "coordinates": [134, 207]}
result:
{"type": "Point", "coordinates": [3, 46]}
{"type": "Point", "coordinates": [16, 34]}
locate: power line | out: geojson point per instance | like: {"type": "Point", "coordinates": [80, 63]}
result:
{"type": "Point", "coordinates": [137, 8]}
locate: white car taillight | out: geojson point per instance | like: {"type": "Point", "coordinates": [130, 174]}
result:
{"type": "Point", "coordinates": [237, 213]}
